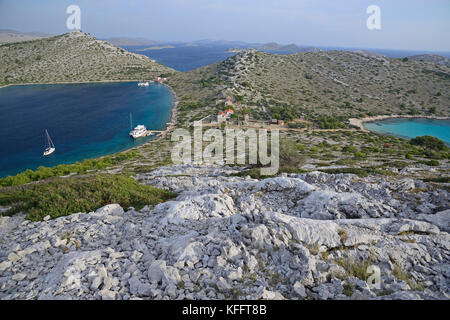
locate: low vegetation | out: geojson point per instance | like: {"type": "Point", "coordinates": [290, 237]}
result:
{"type": "Point", "coordinates": [361, 172]}
{"type": "Point", "coordinates": [289, 154]}
{"type": "Point", "coordinates": [355, 268]}
{"type": "Point", "coordinates": [429, 142]}
{"type": "Point", "coordinates": [406, 277]}
{"type": "Point", "coordinates": [63, 196]}
{"type": "Point", "coordinates": [42, 173]}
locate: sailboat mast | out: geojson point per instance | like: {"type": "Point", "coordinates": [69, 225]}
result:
{"type": "Point", "coordinates": [49, 140]}
{"type": "Point", "coordinates": [131, 122]}
{"type": "Point", "coordinates": [46, 136]}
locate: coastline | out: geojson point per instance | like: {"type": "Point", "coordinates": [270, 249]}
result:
{"type": "Point", "coordinates": [67, 82]}
{"type": "Point", "coordinates": [359, 122]}
{"type": "Point", "coordinates": [170, 125]}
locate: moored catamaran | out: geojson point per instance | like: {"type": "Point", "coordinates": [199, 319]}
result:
{"type": "Point", "coordinates": [139, 131]}
{"type": "Point", "coordinates": [143, 84]}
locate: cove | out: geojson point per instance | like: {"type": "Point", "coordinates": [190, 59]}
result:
{"type": "Point", "coordinates": [411, 127]}
{"type": "Point", "coordinates": [84, 121]}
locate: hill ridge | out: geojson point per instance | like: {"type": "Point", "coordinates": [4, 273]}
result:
{"type": "Point", "coordinates": [72, 57]}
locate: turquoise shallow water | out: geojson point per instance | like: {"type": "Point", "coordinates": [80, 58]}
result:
{"type": "Point", "coordinates": [84, 121]}
{"type": "Point", "coordinates": [411, 128]}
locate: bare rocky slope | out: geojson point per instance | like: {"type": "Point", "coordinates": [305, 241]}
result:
{"type": "Point", "coordinates": [431, 58]}
{"type": "Point", "coordinates": [307, 85]}
{"type": "Point", "coordinates": [72, 57]}
{"type": "Point", "coordinates": [306, 236]}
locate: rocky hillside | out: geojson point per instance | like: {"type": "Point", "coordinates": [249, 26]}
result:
{"type": "Point", "coordinates": [306, 236]}
{"type": "Point", "coordinates": [72, 57]}
{"type": "Point", "coordinates": [311, 84]}
{"type": "Point", "coordinates": [431, 58]}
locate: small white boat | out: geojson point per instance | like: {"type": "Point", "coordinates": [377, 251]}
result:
{"type": "Point", "coordinates": [143, 84]}
{"type": "Point", "coordinates": [139, 131]}
{"type": "Point", "coordinates": [50, 147]}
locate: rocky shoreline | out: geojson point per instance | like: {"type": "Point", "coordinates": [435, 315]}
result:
{"type": "Point", "coordinates": [298, 236]}
{"type": "Point", "coordinates": [68, 82]}
{"type": "Point", "coordinates": [360, 122]}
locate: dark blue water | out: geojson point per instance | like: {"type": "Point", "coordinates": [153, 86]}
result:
{"type": "Point", "coordinates": [186, 58]}
{"type": "Point", "coordinates": [84, 121]}
{"type": "Point", "coordinates": [411, 128]}
{"type": "Point", "coordinates": [183, 58]}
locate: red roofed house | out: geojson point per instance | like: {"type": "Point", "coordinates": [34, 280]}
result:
{"type": "Point", "coordinates": [221, 116]}
{"type": "Point", "coordinates": [229, 112]}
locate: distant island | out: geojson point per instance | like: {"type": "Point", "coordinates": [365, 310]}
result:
{"type": "Point", "coordinates": [129, 42]}
{"type": "Point", "coordinates": [9, 36]}
{"type": "Point", "coordinates": [156, 48]}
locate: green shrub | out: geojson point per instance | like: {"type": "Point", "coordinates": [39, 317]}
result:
{"type": "Point", "coordinates": [255, 173]}
{"type": "Point", "coordinates": [407, 277]}
{"type": "Point", "coordinates": [348, 289]}
{"type": "Point", "coordinates": [349, 149]}
{"type": "Point", "coordinates": [42, 173]}
{"type": "Point", "coordinates": [63, 196]}
{"type": "Point", "coordinates": [431, 163]}
{"type": "Point", "coordinates": [327, 122]}
{"type": "Point", "coordinates": [429, 142]}
{"type": "Point", "coordinates": [438, 180]}
{"type": "Point", "coordinates": [361, 172]}
{"type": "Point", "coordinates": [354, 267]}
{"type": "Point", "coordinates": [289, 155]}
{"type": "Point", "coordinates": [359, 155]}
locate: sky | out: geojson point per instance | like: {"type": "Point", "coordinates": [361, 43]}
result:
{"type": "Point", "coordinates": [405, 24]}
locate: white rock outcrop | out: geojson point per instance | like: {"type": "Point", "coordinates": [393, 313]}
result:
{"type": "Point", "coordinates": [304, 236]}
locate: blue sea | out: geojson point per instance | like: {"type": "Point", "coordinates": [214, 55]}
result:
{"type": "Point", "coordinates": [186, 58]}
{"type": "Point", "coordinates": [83, 120]}
{"type": "Point", "coordinates": [411, 128]}
{"type": "Point", "coordinates": [182, 58]}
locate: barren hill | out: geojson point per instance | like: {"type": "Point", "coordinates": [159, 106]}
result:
{"type": "Point", "coordinates": [311, 84]}
{"type": "Point", "coordinates": [72, 57]}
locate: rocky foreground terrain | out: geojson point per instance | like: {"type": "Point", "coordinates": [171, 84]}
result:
{"type": "Point", "coordinates": [298, 236]}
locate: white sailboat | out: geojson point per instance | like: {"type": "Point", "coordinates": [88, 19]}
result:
{"type": "Point", "coordinates": [50, 147]}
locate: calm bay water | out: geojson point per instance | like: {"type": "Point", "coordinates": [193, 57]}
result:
{"type": "Point", "coordinates": [84, 121]}
{"type": "Point", "coordinates": [411, 128]}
